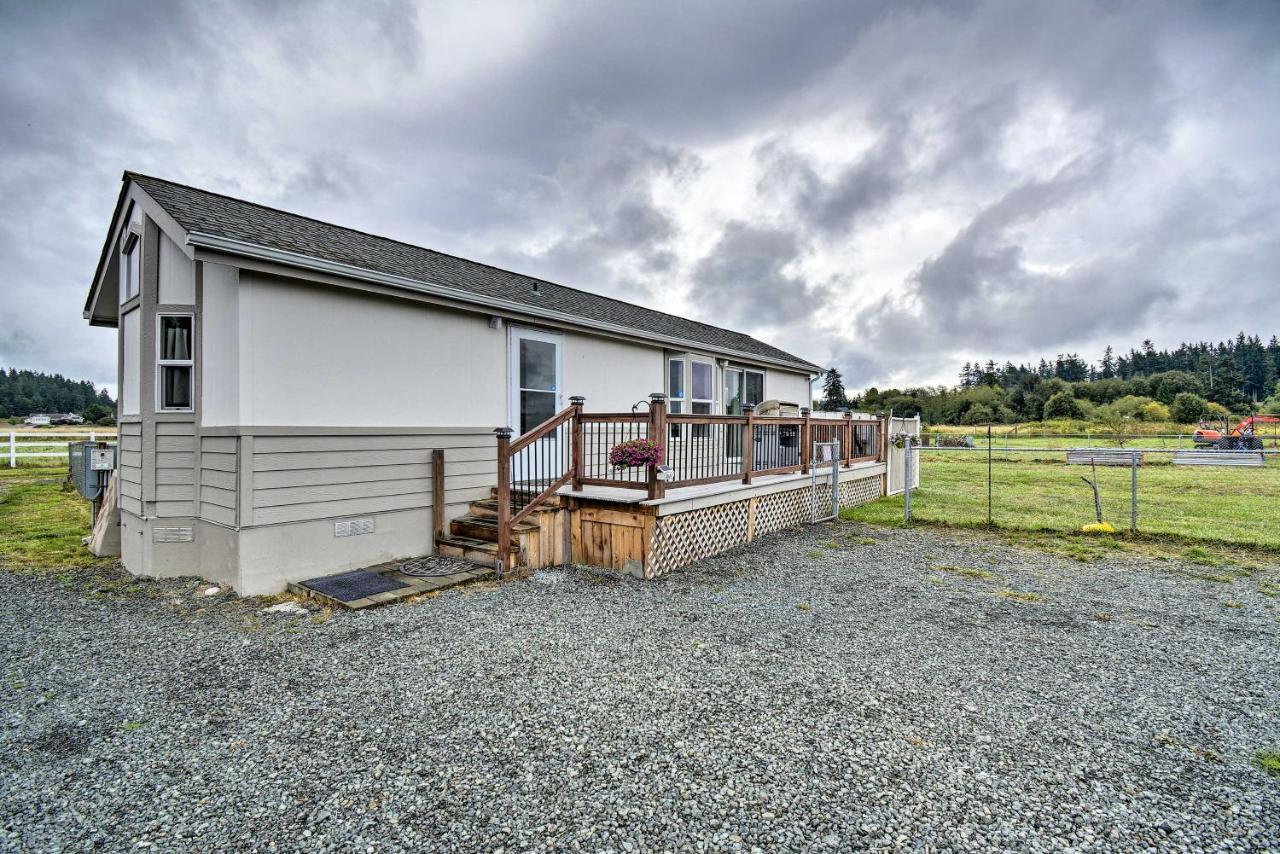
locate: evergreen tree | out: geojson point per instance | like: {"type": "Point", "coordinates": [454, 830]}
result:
{"type": "Point", "coordinates": [23, 393]}
{"type": "Point", "coordinates": [833, 393]}
{"type": "Point", "coordinates": [1228, 384]}
{"type": "Point", "coordinates": [1108, 363]}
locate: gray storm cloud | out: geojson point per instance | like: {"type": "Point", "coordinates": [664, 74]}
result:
{"type": "Point", "coordinates": [890, 188]}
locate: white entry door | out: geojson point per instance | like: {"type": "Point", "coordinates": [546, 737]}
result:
{"type": "Point", "coordinates": [536, 376]}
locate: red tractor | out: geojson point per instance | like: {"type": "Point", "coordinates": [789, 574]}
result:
{"type": "Point", "coordinates": [1242, 438]}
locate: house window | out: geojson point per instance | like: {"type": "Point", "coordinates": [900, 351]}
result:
{"type": "Point", "coordinates": [175, 365]}
{"type": "Point", "coordinates": [742, 388]}
{"type": "Point", "coordinates": [675, 392]}
{"type": "Point", "coordinates": [690, 390]}
{"type": "Point", "coordinates": [130, 255]}
{"type": "Point", "coordinates": [753, 388]}
{"type": "Point", "coordinates": [701, 389]}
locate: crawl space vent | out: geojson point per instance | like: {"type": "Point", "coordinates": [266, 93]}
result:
{"type": "Point", "coordinates": [172, 535]}
{"type": "Point", "coordinates": [353, 527]}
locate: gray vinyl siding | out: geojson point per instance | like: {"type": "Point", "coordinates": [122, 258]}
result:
{"type": "Point", "coordinates": [218, 479]}
{"type": "Point", "coordinates": [175, 469]}
{"type": "Point", "coordinates": [131, 467]}
{"type": "Point", "coordinates": [299, 478]}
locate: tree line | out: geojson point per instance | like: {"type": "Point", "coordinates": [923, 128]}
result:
{"type": "Point", "coordinates": [23, 393]}
{"type": "Point", "coordinates": [1186, 384]}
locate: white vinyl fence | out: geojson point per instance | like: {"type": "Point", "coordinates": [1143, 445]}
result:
{"type": "Point", "coordinates": [50, 444]}
{"type": "Point", "coordinates": [910, 426]}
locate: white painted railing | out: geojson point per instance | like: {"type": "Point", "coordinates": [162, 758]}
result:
{"type": "Point", "coordinates": [50, 444]}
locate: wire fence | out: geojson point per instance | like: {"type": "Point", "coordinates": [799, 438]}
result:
{"type": "Point", "coordinates": [1205, 494]}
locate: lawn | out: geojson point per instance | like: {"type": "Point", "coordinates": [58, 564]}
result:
{"type": "Point", "coordinates": [1237, 506]}
{"type": "Point", "coordinates": [41, 524]}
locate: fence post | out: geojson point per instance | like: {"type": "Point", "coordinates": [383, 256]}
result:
{"type": "Point", "coordinates": [504, 499]}
{"type": "Point", "coordinates": [578, 401]}
{"type": "Point", "coordinates": [835, 483]}
{"type": "Point", "coordinates": [989, 473]}
{"type": "Point", "coordinates": [846, 439]}
{"type": "Point", "coordinates": [906, 479]}
{"type": "Point", "coordinates": [13, 450]}
{"type": "Point", "coordinates": [1133, 494]}
{"type": "Point", "coordinates": [657, 433]}
{"type": "Point", "coordinates": [804, 441]}
{"type": "Point", "coordinates": [748, 442]}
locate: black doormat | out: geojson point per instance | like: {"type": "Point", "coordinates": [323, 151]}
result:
{"type": "Point", "coordinates": [350, 586]}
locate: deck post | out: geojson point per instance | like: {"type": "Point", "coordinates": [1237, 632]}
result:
{"type": "Point", "coordinates": [657, 433]}
{"type": "Point", "coordinates": [846, 438]}
{"type": "Point", "coordinates": [504, 499]}
{"type": "Point", "coordinates": [804, 441]}
{"type": "Point", "coordinates": [748, 442]}
{"type": "Point", "coordinates": [577, 401]}
{"type": "Point", "coordinates": [437, 491]}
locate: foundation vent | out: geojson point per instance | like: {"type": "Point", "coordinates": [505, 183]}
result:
{"type": "Point", "coordinates": [353, 527]}
{"type": "Point", "coordinates": [172, 535]}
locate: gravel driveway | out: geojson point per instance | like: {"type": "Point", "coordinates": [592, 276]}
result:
{"type": "Point", "coordinates": [825, 689]}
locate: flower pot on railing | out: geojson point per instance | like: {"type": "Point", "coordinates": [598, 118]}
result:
{"type": "Point", "coordinates": [899, 440]}
{"type": "Point", "coordinates": [635, 453]}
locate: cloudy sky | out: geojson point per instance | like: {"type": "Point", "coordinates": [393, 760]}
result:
{"type": "Point", "coordinates": [890, 188]}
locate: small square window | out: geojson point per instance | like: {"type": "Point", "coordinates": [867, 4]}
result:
{"type": "Point", "coordinates": [175, 363]}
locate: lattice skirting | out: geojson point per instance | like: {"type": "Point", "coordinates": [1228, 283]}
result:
{"type": "Point", "coordinates": [683, 538]}
{"type": "Point", "coordinates": [855, 492]}
{"type": "Point", "coordinates": [784, 510]}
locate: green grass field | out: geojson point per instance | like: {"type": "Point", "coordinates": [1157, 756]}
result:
{"type": "Point", "coordinates": [41, 524]}
{"type": "Point", "coordinates": [1235, 506]}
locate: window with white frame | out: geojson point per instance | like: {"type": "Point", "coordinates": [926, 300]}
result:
{"type": "Point", "coordinates": [675, 392]}
{"type": "Point", "coordinates": [701, 393]}
{"type": "Point", "coordinates": [752, 387]}
{"type": "Point", "coordinates": [175, 362]}
{"type": "Point", "coordinates": [131, 255]}
{"type": "Point", "coordinates": [690, 391]}
{"type": "Point", "coordinates": [743, 387]}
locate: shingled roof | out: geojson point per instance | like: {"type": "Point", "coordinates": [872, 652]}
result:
{"type": "Point", "coordinates": [224, 217]}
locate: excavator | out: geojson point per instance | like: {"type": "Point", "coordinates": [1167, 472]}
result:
{"type": "Point", "coordinates": [1242, 438]}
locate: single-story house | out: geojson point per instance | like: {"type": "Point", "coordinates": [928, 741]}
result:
{"type": "Point", "coordinates": [284, 382]}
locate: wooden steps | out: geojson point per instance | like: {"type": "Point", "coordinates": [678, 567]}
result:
{"type": "Point", "coordinates": [486, 528]}
{"type": "Point", "coordinates": [480, 552]}
{"type": "Point", "coordinates": [535, 542]}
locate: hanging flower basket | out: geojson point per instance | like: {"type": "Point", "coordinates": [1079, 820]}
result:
{"type": "Point", "coordinates": [899, 440]}
{"type": "Point", "coordinates": [636, 453]}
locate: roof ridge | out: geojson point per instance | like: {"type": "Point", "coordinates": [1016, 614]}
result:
{"type": "Point", "coordinates": [133, 175]}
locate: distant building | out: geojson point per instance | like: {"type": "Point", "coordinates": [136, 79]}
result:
{"type": "Point", "coordinates": [45, 419]}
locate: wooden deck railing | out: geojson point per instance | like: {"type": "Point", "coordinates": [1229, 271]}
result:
{"type": "Point", "coordinates": [572, 447]}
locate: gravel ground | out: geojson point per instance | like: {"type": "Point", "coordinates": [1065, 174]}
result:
{"type": "Point", "coordinates": [825, 689]}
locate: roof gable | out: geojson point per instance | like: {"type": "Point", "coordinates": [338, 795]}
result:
{"type": "Point", "coordinates": [206, 213]}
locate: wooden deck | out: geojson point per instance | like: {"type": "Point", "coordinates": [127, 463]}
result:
{"type": "Point", "coordinates": [685, 497]}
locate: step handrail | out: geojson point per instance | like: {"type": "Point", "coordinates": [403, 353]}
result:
{"type": "Point", "coordinates": [508, 517]}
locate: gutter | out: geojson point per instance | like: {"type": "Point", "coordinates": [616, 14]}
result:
{"type": "Point", "coordinates": [306, 262]}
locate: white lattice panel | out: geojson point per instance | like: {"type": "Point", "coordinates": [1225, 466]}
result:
{"type": "Point", "coordinates": [784, 510]}
{"type": "Point", "coordinates": [855, 492]}
{"type": "Point", "coordinates": [682, 538]}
